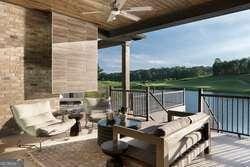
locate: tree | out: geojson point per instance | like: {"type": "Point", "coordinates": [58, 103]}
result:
{"type": "Point", "coordinates": [233, 67]}
{"type": "Point", "coordinates": [216, 66]}
{"type": "Point", "coordinates": [217, 60]}
{"type": "Point", "coordinates": [100, 73]}
{"type": "Point", "coordinates": [244, 66]}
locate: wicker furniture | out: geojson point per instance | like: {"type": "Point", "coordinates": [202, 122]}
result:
{"type": "Point", "coordinates": [105, 131]}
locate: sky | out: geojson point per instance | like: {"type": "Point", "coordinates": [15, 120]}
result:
{"type": "Point", "coordinates": [199, 43]}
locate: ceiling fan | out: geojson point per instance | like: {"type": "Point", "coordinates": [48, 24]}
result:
{"type": "Point", "coordinates": [116, 10]}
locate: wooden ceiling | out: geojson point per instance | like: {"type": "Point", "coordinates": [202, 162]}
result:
{"type": "Point", "coordinates": [165, 13]}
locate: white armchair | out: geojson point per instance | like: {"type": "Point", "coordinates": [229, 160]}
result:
{"type": "Point", "coordinates": [96, 109]}
{"type": "Point", "coordinates": [37, 120]}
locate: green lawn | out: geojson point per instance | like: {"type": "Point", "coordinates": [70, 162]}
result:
{"type": "Point", "coordinates": [233, 84]}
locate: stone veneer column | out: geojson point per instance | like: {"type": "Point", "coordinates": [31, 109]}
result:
{"type": "Point", "coordinates": [25, 60]}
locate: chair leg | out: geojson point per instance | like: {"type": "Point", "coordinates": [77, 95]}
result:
{"type": "Point", "coordinates": [86, 123]}
{"type": "Point", "coordinates": [67, 135]}
{"type": "Point", "coordinates": [21, 145]}
{"type": "Point", "coordinates": [40, 144]}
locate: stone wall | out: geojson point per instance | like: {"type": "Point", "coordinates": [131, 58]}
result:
{"type": "Point", "coordinates": [25, 60]}
{"type": "Point", "coordinates": [31, 68]}
{"type": "Point", "coordinates": [37, 51]}
{"type": "Point", "coordinates": [74, 55]}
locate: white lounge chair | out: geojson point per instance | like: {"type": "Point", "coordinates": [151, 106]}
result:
{"type": "Point", "coordinates": [96, 110]}
{"type": "Point", "coordinates": [37, 120]}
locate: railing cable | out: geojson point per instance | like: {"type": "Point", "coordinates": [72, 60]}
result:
{"type": "Point", "coordinates": [158, 101]}
{"type": "Point", "coordinates": [211, 112]}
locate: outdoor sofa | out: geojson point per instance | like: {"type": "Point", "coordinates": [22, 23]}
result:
{"type": "Point", "coordinates": [174, 143]}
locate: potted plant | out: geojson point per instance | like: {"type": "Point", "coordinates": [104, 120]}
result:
{"type": "Point", "coordinates": [122, 114]}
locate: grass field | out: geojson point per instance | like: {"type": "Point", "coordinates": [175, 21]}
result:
{"type": "Point", "coordinates": [229, 84]}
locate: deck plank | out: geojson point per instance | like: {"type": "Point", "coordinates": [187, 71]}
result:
{"type": "Point", "coordinates": [226, 151]}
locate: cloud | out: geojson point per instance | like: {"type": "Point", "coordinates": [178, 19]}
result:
{"type": "Point", "coordinates": [199, 43]}
{"type": "Point", "coordinates": [156, 62]}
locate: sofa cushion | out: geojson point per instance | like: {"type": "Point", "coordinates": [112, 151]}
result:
{"type": "Point", "coordinates": [140, 150]}
{"type": "Point", "coordinates": [159, 116]}
{"type": "Point", "coordinates": [146, 153]}
{"type": "Point", "coordinates": [197, 116]}
{"type": "Point", "coordinates": [150, 130]}
{"type": "Point", "coordinates": [171, 127]}
{"type": "Point", "coordinates": [177, 149]}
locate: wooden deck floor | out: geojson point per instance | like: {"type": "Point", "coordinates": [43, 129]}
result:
{"type": "Point", "coordinates": [227, 151]}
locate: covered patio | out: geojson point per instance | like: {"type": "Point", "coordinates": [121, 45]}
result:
{"type": "Point", "coordinates": [50, 48]}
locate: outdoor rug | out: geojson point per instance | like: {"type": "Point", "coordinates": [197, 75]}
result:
{"type": "Point", "coordinates": [85, 153]}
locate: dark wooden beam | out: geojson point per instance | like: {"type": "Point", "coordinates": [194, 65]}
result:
{"type": "Point", "coordinates": [103, 33]}
{"type": "Point", "coordinates": [111, 42]}
{"type": "Point", "coordinates": [107, 44]}
{"type": "Point", "coordinates": [208, 10]}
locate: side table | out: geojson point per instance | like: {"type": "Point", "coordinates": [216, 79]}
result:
{"type": "Point", "coordinates": [76, 128]}
{"type": "Point", "coordinates": [114, 149]}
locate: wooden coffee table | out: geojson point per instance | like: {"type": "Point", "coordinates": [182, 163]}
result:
{"type": "Point", "coordinates": [114, 149]}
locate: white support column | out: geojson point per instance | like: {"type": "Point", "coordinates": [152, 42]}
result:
{"type": "Point", "coordinates": [125, 73]}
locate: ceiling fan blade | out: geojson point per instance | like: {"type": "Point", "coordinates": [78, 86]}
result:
{"type": "Point", "coordinates": [111, 17]}
{"type": "Point", "coordinates": [120, 3]}
{"type": "Point", "coordinates": [93, 12]}
{"type": "Point", "coordinates": [130, 16]}
{"type": "Point", "coordinates": [139, 9]}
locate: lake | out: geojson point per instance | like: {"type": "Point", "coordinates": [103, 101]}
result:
{"type": "Point", "coordinates": [232, 114]}
{"type": "Point", "coordinates": [191, 101]}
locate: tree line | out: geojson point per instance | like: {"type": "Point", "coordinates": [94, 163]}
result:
{"type": "Point", "coordinates": [234, 67]}
{"type": "Point", "coordinates": [219, 67]}
{"type": "Point", "coordinates": [156, 74]}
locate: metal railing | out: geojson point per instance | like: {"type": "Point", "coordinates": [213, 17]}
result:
{"type": "Point", "coordinates": [228, 113]}
{"type": "Point", "coordinates": [168, 99]}
{"type": "Point", "coordinates": [143, 102]}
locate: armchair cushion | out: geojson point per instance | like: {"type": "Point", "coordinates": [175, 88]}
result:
{"type": "Point", "coordinates": [97, 109]}
{"type": "Point", "coordinates": [37, 119]}
{"type": "Point", "coordinates": [54, 129]}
